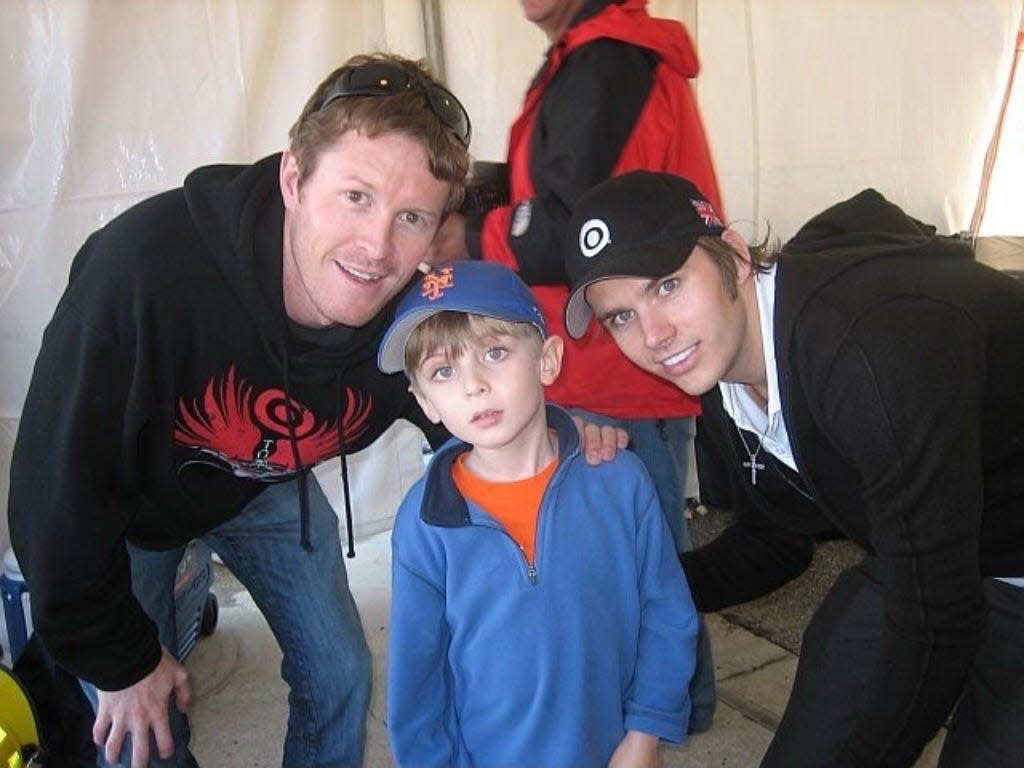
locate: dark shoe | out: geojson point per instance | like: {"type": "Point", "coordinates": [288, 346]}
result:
{"type": "Point", "coordinates": [700, 722]}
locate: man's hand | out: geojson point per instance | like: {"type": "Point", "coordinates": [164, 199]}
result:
{"type": "Point", "coordinates": [636, 750]}
{"type": "Point", "coordinates": [139, 709]}
{"type": "Point", "coordinates": [449, 242]}
{"type": "Point", "coordinates": [600, 442]}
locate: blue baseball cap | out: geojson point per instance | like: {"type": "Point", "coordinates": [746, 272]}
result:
{"type": "Point", "coordinates": [478, 287]}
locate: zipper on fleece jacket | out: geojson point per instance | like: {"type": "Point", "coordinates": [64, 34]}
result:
{"type": "Point", "coordinates": [490, 522]}
{"type": "Point", "coordinates": [487, 521]}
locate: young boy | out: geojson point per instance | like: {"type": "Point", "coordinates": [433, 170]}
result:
{"type": "Point", "coordinates": [539, 614]}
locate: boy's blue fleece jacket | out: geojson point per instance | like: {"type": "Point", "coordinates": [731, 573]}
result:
{"type": "Point", "coordinates": [493, 662]}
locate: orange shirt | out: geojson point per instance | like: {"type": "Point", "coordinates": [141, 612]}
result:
{"type": "Point", "coordinates": [513, 504]}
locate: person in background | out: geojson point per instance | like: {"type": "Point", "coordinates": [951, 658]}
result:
{"type": "Point", "coordinates": [872, 369]}
{"type": "Point", "coordinates": [509, 642]}
{"type": "Point", "coordinates": [614, 94]}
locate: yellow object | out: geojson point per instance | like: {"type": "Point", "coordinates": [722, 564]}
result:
{"type": "Point", "coordinates": [19, 731]}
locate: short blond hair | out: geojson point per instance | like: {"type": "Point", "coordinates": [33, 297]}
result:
{"type": "Point", "coordinates": [407, 112]}
{"type": "Point", "coordinates": [452, 331]}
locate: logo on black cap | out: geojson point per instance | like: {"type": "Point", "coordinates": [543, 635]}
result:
{"type": "Point", "coordinates": [594, 236]}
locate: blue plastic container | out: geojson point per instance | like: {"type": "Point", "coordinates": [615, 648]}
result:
{"type": "Point", "coordinates": [194, 604]}
{"type": "Point", "coordinates": [17, 615]}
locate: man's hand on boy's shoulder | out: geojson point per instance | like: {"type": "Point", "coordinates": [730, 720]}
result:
{"type": "Point", "coordinates": [600, 441]}
{"type": "Point", "coordinates": [636, 750]}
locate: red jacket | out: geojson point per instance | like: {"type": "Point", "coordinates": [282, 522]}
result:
{"type": "Point", "coordinates": [667, 135]}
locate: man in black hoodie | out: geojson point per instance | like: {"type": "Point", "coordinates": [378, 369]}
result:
{"type": "Point", "coordinates": [867, 378]}
{"type": "Point", "coordinates": [215, 343]}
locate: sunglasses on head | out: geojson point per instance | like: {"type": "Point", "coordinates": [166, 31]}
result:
{"type": "Point", "coordinates": [379, 78]}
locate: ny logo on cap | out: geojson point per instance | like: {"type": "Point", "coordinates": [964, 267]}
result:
{"type": "Point", "coordinates": [594, 237]}
{"type": "Point", "coordinates": [435, 282]}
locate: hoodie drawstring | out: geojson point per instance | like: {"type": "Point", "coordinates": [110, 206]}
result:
{"type": "Point", "coordinates": [343, 447]}
{"type": "Point", "coordinates": [302, 472]}
{"type": "Point", "coordinates": [299, 468]}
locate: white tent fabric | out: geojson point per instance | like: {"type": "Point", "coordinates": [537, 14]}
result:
{"type": "Point", "coordinates": [998, 210]}
{"type": "Point", "coordinates": [998, 221]}
{"type": "Point", "coordinates": [106, 102]}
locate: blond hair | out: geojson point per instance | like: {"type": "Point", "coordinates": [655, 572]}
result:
{"type": "Point", "coordinates": [450, 332]}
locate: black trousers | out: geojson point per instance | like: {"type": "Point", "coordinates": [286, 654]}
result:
{"type": "Point", "coordinates": [839, 650]}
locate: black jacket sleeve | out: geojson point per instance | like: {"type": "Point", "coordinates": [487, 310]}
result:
{"type": "Point", "coordinates": [749, 559]}
{"type": "Point", "coordinates": [906, 407]}
{"type": "Point", "coordinates": [587, 113]}
{"type": "Point", "coordinates": [67, 518]}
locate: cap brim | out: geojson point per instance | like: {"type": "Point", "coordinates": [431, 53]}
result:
{"type": "Point", "coordinates": [391, 355]}
{"type": "Point", "coordinates": [652, 260]}
{"type": "Point", "coordinates": [578, 312]}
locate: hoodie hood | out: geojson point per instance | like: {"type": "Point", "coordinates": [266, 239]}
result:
{"type": "Point", "coordinates": [229, 204]}
{"type": "Point", "coordinates": [628, 21]}
{"type": "Point", "coordinates": [864, 227]}
{"type": "Point", "coordinates": [239, 212]}
{"type": "Point", "coordinates": [865, 215]}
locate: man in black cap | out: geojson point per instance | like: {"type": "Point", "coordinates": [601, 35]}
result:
{"type": "Point", "coordinates": [865, 377]}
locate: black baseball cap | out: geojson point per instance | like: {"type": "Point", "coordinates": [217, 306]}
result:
{"type": "Point", "coordinates": [639, 224]}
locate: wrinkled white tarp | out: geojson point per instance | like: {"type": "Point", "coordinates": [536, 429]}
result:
{"type": "Point", "coordinates": [108, 101]}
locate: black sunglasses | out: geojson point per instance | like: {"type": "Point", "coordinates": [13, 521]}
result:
{"type": "Point", "coordinates": [379, 78]}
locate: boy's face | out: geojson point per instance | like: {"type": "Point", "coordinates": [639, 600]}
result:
{"type": "Point", "coordinates": [492, 395]}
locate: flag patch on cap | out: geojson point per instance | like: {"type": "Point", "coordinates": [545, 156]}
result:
{"type": "Point", "coordinates": [706, 211]}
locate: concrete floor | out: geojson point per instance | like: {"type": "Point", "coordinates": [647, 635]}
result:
{"type": "Point", "coordinates": [240, 704]}
{"type": "Point", "coordinates": [781, 616]}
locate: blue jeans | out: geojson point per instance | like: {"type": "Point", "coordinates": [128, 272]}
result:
{"type": "Point", "coordinates": [664, 446]}
{"type": "Point", "coordinates": [305, 599]}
